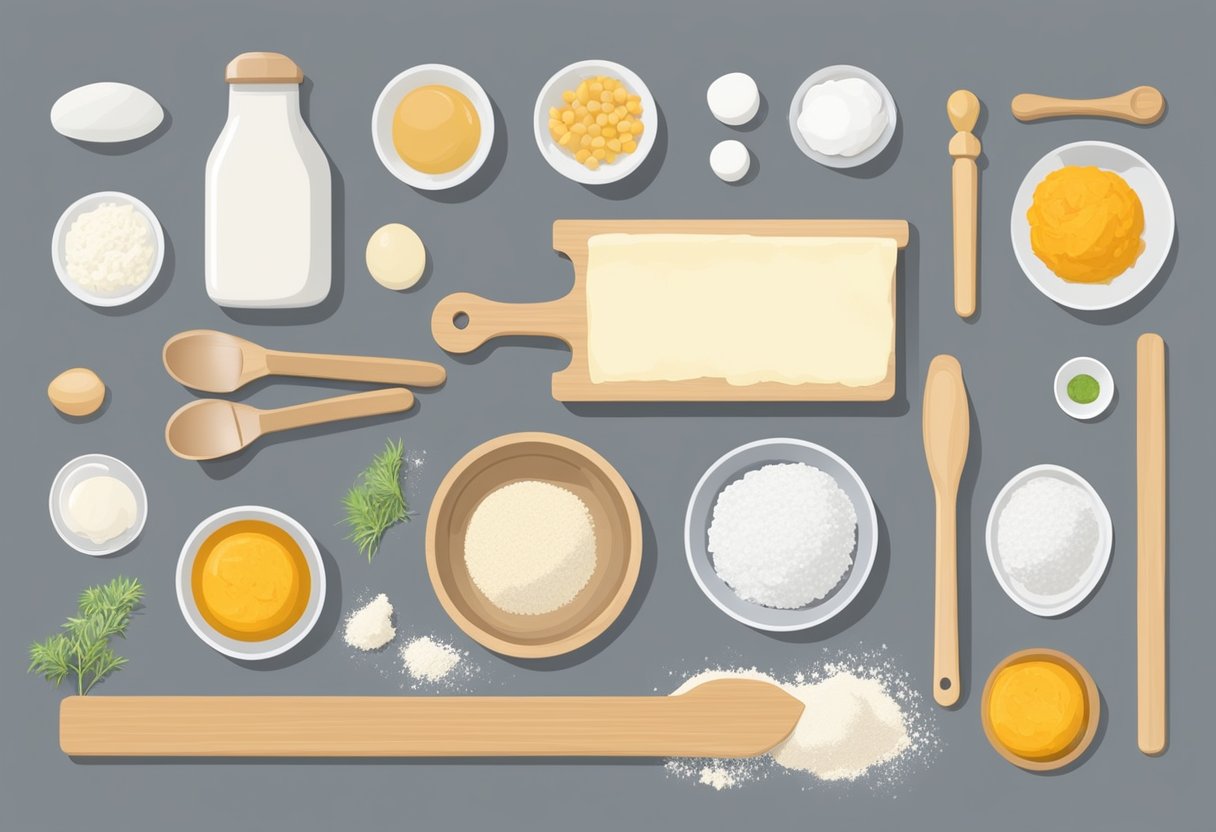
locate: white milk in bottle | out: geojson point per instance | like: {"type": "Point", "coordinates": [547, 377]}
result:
{"type": "Point", "coordinates": [268, 206]}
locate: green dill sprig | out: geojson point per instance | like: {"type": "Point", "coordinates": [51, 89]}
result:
{"type": "Point", "coordinates": [376, 501]}
{"type": "Point", "coordinates": [83, 648]}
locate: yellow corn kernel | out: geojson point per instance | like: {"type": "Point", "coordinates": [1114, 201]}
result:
{"type": "Point", "coordinates": [582, 155]}
{"type": "Point", "coordinates": [554, 112]}
{"type": "Point", "coordinates": [591, 162]}
{"type": "Point", "coordinates": [625, 125]}
{"type": "Point", "coordinates": [629, 146]}
{"type": "Point", "coordinates": [555, 123]}
{"type": "Point", "coordinates": [601, 120]}
{"type": "Point", "coordinates": [598, 141]}
{"type": "Point", "coordinates": [608, 132]}
{"type": "Point", "coordinates": [596, 87]}
{"type": "Point", "coordinates": [637, 128]}
{"type": "Point", "coordinates": [606, 97]}
{"type": "Point", "coordinates": [594, 106]}
{"type": "Point", "coordinates": [619, 95]}
{"type": "Point", "coordinates": [614, 145]}
{"type": "Point", "coordinates": [580, 113]}
{"type": "Point", "coordinates": [610, 157]}
{"type": "Point", "coordinates": [621, 112]}
{"type": "Point", "coordinates": [609, 83]}
{"type": "Point", "coordinates": [568, 117]}
{"type": "Point", "coordinates": [568, 96]}
{"type": "Point", "coordinates": [582, 93]}
{"type": "Point", "coordinates": [594, 130]}
{"type": "Point", "coordinates": [599, 153]}
{"type": "Point", "coordinates": [566, 140]}
{"type": "Point", "coordinates": [634, 107]}
{"type": "Point", "coordinates": [579, 128]}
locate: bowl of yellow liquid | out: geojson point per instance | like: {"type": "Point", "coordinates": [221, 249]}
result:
{"type": "Point", "coordinates": [250, 582]}
{"type": "Point", "coordinates": [433, 127]}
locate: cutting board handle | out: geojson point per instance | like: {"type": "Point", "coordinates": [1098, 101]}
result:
{"type": "Point", "coordinates": [462, 322]}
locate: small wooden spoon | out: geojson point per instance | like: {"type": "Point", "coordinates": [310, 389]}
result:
{"type": "Point", "coordinates": [212, 428]}
{"type": "Point", "coordinates": [1140, 105]}
{"type": "Point", "coordinates": [722, 718]}
{"type": "Point", "coordinates": [216, 362]}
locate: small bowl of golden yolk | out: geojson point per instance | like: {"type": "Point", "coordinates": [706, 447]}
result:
{"type": "Point", "coordinates": [1040, 709]}
{"type": "Point", "coordinates": [433, 127]}
{"type": "Point", "coordinates": [250, 582]}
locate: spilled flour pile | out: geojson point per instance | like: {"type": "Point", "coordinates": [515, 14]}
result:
{"type": "Point", "coordinates": [862, 722]}
{"type": "Point", "coordinates": [429, 663]}
{"type": "Point", "coordinates": [371, 626]}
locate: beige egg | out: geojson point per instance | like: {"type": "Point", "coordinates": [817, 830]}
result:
{"type": "Point", "coordinates": [77, 392]}
{"type": "Point", "coordinates": [396, 256]}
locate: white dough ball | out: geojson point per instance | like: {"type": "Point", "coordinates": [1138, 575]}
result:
{"type": "Point", "coordinates": [730, 160]}
{"type": "Point", "coordinates": [734, 99]}
{"type": "Point", "coordinates": [396, 256]}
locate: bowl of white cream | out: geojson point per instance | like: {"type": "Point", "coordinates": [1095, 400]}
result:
{"type": "Point", "coordinates": [107, 248]}
{"type": "Point", "coordinates": [98, 504]}
{"type": "Point", "coordinates": [842, 116]}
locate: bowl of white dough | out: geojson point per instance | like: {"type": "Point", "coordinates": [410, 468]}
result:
{"type": "Point", "coordinates": [781, 534]}
{"type": "Point", "coordinates": [842, 116]}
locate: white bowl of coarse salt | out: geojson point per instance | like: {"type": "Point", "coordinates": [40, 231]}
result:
{"type": "Point", "coordinates": [1049, 539]}
{"type": "Point", "coordinates": [108, 248]}
{"type": "Point", "coordinates": [842, 116]}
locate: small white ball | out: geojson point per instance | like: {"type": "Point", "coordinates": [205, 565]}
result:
{"type": "Point", "coordinates": [734, 99]}
{"type": "Point", "coordinates": [730, 160]}
{"type": "Point", "coordinates": [396, 257]}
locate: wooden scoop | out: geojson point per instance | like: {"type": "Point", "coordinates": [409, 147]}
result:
{"type": "Point", "coordinates": [1140, 105]}
{"type": "Point", "coordinates": [211, 428]}
{"type": "Point", "coordinates": [722, 718]}
{"type": "Point", "coordinates": [217, 362]}
{"type": "Point", "coordinates": [946, 424]}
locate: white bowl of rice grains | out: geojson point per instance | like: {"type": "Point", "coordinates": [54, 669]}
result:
{"type": "Point", "coordinates": [1049, 539]}
{"type": "Point", "coordinates": [781, 534]}
{"type": "Point", "coordinates": [107, 248]}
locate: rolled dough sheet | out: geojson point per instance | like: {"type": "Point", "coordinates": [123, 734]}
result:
{"type": "Point", "coordinates": [747, 309]}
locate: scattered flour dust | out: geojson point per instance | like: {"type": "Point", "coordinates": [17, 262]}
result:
{"type": "Point", "coordinates": [371, 626]}
{"type": "Point", "coordinates": [429, 662]}
{"type": "Point", "coordinates": [869, 726]}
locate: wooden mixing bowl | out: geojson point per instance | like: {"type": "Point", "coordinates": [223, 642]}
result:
{"type": "Point", "coordinates": [563, 462]}
{"type": "Point", "coordinates": [1093, 709]}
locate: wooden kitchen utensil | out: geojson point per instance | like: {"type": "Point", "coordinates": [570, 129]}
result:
{"type": "Point", "coordinates": [1151, 516]}
{"type": "Point", "coordinates": [216, 362]}
{"type": "Point", "coordinates": [1140, 105]}
{"type": "Point", "coordinates": [946, 424]}
{"type": "Point", "coordinates": [964, 110]}
{"type": "Point", "coordinates": [212, 428]}
{"type": "Point", "coordinates": [722, 718]}
{"type": "Point", "coordinates": [463, 322]}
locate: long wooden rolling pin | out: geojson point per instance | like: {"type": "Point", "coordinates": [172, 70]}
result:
{"type": "Point", "coordinates": [1150, 543]}
{"type": "Point", "coordinates": [964, 110]}
{"type": "Point", "coordinates": [723, 718]}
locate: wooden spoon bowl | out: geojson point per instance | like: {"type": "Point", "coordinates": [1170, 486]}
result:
{"type": "Point", "coordinates": [618, 536]}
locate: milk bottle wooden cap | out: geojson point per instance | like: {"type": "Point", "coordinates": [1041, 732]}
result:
{"type": "Point", "coordinates": [263, 68]}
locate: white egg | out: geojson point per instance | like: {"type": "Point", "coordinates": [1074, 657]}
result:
{"type": "Point", "coordinates": [730, 160]}
{"type": "Point", "coordinates": [396, 257]}
{"type": "Point", "coordinates": [734, 99]}
{"type": "Point", "coordinates": [106, 112]}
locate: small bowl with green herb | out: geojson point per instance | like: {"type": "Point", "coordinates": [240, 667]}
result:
{"type": "Point", "coordinates": [1084, 388]}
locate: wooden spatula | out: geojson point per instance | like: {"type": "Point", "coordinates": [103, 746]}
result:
{"type": "Point", "coordinates": [722, 718]}
{"type": "Point", "coordinates": [946, 424]}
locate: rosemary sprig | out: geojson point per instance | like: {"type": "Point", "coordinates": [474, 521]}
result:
{"type": "Point", "coordinates": [83, 648]}
{"type": "Point", "coordinates": [376, 501]}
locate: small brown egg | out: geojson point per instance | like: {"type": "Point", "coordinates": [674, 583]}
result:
{"type": "Point", "coordinates": [77, 392]}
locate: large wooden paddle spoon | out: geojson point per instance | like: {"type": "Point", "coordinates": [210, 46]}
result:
{"type": "Point", "coordinates": [946, 424]}
{"type": "Point", "coordinates": [211, 428]}
{"type": "Point", "coordinates": [722, 718]}
{"type": "Point", "coordinates": [216, 362]}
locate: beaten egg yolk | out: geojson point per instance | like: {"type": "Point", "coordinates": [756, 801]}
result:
{"type": "Point", "coordinates": [250, 581]}
{"type": "Point", "coordinates": [436, 129]}
{"type": "Point", "coordinates": [1037, 709]}
{"type": "Point", "coordinates": [1085, 224]}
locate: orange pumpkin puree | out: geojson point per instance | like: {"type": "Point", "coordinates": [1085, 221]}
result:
{"type": "Point", "coordinates": [1038, 709]}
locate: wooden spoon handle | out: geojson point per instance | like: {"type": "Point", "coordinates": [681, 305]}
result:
{"type": "Point", "coordinates": [397, 371]}
{"type": "Point", "coordinates": [947, 684]}
{"type": "Point", "coordinates": [1142, 105]}
{"type": "Point", "coordinates": [966, 212]}
{"type": "Point", "coordinates": [353, 406]}
{"type": "Point", "coordinates": [742, 719]}
{"type": "Point", "coordinates": [1150, 543]}
{"type": "Point", "coordinates": [463, 322]}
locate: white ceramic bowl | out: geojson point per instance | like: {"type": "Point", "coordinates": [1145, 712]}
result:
{"type": "Point", "coordinates": [1089, 366]}
{"type": "Point", "coordinates": [734, 465]}
{"type": "Point", "coordinates": [1158, 226]}
{"type": "Point", "coordinates": [1050, 606]}
{"type": "Point", "coordinates": [251, 650]}
{"type": "Point", "coordinates": [386, 106]}
{"type": "Point", "coordinates": [82, 468]}
{"type": "Point", "coordinates": [567, 78]}
{"type": "Point", "coordinates": [59, 247]}
{"type": "Point", "coordinates": [838, 73]}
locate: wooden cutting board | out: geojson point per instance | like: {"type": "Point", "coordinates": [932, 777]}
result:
{"type": "Point", "coordinates": [566, 317]}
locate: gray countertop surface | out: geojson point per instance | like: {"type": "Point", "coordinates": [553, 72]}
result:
{"type": "Point", "coordinates": [493, 238]}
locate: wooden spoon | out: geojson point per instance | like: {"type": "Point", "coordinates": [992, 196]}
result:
{"type": "Point", "coordinates": [946, 424]}
{"type": "Point", "coordinates": [211, 428]}
{"type": "Point", "coordinates": [217, 362]}
{"type": "Point", "coordinates": [1140, 105]}
{"type": "Point", "coordinates": [722, 718]}
{"type": "Point", "coordinates": [1150, 543]}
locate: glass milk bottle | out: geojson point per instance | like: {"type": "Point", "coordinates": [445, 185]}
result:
{"type": "Point", "coordinates": [267, 223]}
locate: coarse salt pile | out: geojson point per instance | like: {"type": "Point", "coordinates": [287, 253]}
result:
{"type": "Point", "coordinates": [783, 535]}
{"type": "Point", "coordinates": [1047, 534]}
{"type": "Point", "coordinates": [428, 660]}
{"type": "Point", "coordinates": [110, 249]}
{"type": "Point", "coordinates": [371, 626]}
{"type": "Point", "coordinates": [530, 547]}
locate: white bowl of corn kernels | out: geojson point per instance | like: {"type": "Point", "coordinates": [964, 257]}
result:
{"type": "Point", "coordinates": [595, 122]}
